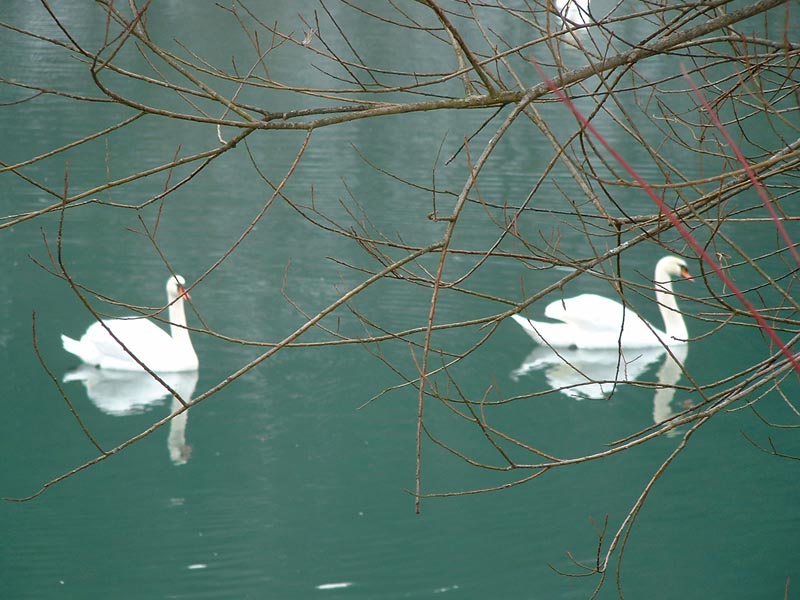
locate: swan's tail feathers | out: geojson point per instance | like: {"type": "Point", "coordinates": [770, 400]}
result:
{"type": "Point", "coordinates": [527, 325]}
{"type": "Point", "coordinates": [73, 347]}
{"type": "Point", "coordinates": [523, 322]}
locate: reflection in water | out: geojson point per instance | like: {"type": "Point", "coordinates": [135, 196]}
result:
{"type": "Point", "coordinates": [594, 374]}
{"type": "Point", "coordinates": [667, 376]}
{"type": "Point", "coordinates": [179, 450]}
{"type": "Point", "coordinates": [121, 393]}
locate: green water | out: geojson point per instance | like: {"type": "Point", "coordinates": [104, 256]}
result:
{"type": "Point", "coordinates": [284, 484]}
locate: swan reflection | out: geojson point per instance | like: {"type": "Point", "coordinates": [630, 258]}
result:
{"type": "Point", "coordinates": [668, 375]}
{"type": "Point", "coordinates": [595, 374]}
{"type": "Point", "coordinates": [121, 393]}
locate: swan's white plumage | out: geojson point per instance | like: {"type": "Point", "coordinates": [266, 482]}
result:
{"type": "Point", "coordinates": [592, 321]}
{"type": "Point", "coordinates": [153, 346]}
{"type": "Point", "coordinates": [573, 12]}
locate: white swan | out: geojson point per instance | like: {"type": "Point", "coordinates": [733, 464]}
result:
{"type": "Point", "coordinates": [573, 12]}
{"type": "Point", "coordinates": [153, 346]}
{"type": "Point", "coordinates": [592, 321]}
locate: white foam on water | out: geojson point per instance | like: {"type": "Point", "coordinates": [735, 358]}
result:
{"type": "Point", "coordinates": [334, 586]}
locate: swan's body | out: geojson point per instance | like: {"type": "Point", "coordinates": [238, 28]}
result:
{"type": "Point", "coordinates": [573, 12]}
{"type": "Point", "coordinates": [592, 321]}
{"type": "Point", "coordinates": [153, 346]}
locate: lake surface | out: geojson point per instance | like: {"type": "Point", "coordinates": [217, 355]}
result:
{"type": "Point", "coordinates": [290, 482]}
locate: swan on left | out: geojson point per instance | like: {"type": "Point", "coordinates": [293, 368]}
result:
{"type": "Point", "coordinates": [109, 344]}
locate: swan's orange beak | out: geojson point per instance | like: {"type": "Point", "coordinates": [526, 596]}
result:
{"type": "Point", "coordinates": [685, 274]}
{"type": "Point", "coordinates": [182, 293]}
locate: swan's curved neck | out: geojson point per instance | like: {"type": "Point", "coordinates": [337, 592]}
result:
{"type": "Point", "coordinates": [177, 323]}
{"type": "Point", "coordinates": [674, 325]}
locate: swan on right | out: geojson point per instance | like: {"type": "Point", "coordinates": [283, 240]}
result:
{"type": "Point", "coordinates": [592, 321]}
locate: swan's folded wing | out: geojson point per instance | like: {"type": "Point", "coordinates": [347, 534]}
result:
{"type": "Point", "coordinates": [590, 312]}
{"type": "Point", "coordinates": [141, 337]}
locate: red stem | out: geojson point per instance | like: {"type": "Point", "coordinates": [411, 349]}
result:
{"type": "Point", "coordinates": [673, 218]}
{"type": "Point", "coordinates": [748, 169]}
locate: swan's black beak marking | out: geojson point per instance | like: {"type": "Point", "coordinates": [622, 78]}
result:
{"type": "Point", "coordinates": [685, 274]}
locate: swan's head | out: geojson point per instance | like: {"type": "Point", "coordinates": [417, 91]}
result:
{"type": "Point", "coordinates": [176, 288]}
{"type": "Point", "coordinates": [672, 267]}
